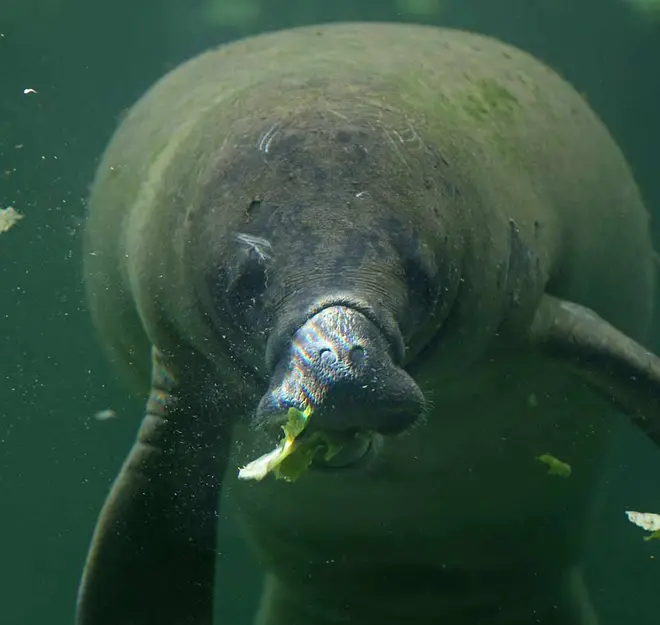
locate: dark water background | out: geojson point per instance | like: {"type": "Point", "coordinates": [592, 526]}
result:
{"type": "Point", "coordinates": [89, 60]}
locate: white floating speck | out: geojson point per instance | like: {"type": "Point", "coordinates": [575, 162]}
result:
{"type": "Point", "coordinates": [105, 415]}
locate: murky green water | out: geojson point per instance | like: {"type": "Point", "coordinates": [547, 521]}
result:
{"type": "Point", "coordinates": [68, 69]}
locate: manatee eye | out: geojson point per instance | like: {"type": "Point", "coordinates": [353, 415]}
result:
{"type": "Point", "coordinates": [244, 297]}
{"type": "Point", "coordinates": [246, 285]}
{"type": "Point", "coordinates": [423, 288]}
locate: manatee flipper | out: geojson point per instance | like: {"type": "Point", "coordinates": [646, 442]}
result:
{"type": "Point", "coordinates": [152, 557]}
{"type": "Point", "coordinates": [611, 362]}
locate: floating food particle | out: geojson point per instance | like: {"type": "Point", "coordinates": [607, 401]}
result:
{"type": "Point", "coordinates": [556, 466]}
{"type": "Point", "coordinates": [9, 217]}
{"type": "Point", "coordinates": [646, 520]}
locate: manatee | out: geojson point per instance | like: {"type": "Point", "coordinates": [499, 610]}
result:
{"type": "Point", "coordinates": [427, 237]}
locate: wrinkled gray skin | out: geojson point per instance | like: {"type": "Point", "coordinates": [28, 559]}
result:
{"type": "Point", "coordinates": [412, 230]}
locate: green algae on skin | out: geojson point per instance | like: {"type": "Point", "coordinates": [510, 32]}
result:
{"type": "Point", "coordinates": [488, 98]}
{"type": "Point", "coordinates": [480, 103]}
{"type": "Point", "coordinates": [481, 99]}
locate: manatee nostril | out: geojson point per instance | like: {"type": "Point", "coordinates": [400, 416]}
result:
{"type": "Point", "coordinates": [327, 356]}
{"type": "Point", "coordinates": [356, 355]}
{"type": "Point", "coordinates": [334, 364]}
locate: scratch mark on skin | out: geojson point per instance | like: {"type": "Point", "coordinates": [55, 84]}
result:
{"type": "Point", "coordinates": [265, 140]}
{"type": "Point", "coordinates": [410, 135]}
{"type": "Point", "coordinates": [423, 84]}
{"type": "Point", "coordinates": [338, 114]}
{"type": "Point", "coordinates": [398, 136]}
{"type": "Point", "coordinates": [397, 150]}
{"type": "Point", "coordinates": [261, 247]}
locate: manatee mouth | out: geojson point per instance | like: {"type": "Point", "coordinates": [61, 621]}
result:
{"type": "Point", "coordinates": [339, 365]}
{"type": "Point", "coordinates": [359, 453]}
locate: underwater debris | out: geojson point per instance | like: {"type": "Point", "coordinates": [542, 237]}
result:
{"type": "Point", "coordinates": [9, 217]}
{"type": "Point", "coordinates": [555, 466]}
{"type": "Point", "coordinates": [291, 458]}
{"type": "Point", "coordinates": [105, 415]}
{"type": "Point", "coordinates": [649, 521]}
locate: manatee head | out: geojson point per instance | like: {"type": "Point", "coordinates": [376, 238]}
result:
{"type": "Point", "coordinates": [335, 259]}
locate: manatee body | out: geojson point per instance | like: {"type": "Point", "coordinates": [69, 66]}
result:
{"type": "Point", "coordinates": [427, 237]}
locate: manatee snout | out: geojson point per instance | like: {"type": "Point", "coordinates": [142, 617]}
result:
{"type": "Point", "coordinates": [340, 364]}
